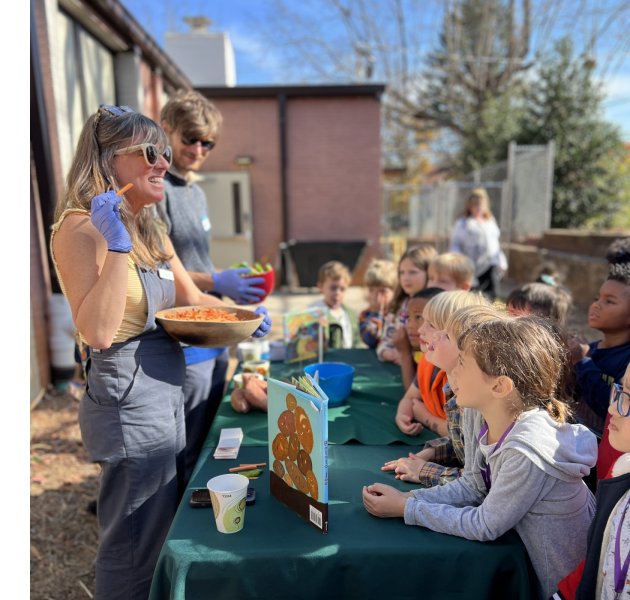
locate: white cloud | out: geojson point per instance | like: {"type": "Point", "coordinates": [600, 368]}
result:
{"type": "Point", "coordinates": [618, 86]}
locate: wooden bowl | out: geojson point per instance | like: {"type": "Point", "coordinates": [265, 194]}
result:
{"type": "Point", "coordinates": [209, 334]}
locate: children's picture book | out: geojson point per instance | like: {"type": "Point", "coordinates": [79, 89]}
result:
{"type": "Point", "coordinates": [297, 416]}
{"type": "Point", "coordinates": [302, 333]}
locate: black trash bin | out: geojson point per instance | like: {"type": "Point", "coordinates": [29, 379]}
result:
{"type": "Point", "coordinates": [308, 257]}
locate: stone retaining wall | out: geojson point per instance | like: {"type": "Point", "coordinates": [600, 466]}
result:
{"type": "Point", "coordinates": [578, 256]}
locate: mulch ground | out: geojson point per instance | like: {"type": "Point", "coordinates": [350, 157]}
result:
{"type": "Point", "coordinates": [63, 533]}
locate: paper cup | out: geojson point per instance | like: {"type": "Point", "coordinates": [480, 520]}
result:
{"type": "Point", "coordinates": [257, 366]}
{"type": "Point", "coordinates": [228, 494]}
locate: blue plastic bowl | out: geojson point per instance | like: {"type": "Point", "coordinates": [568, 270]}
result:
{"type": "Point", "coordinates": [335, 379]}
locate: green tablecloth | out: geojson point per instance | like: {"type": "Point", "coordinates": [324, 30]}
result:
{"type": "Point", "coordinates": [278, 555]}
{"type": "Point", "coordinates": [366, 417]}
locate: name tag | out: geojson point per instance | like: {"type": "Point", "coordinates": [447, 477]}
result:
{"type": "Point", "coordinates": [205, 223]}
{"type": "Point", "coordinates": [166, 274]}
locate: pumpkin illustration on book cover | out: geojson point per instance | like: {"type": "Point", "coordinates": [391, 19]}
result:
{"type": "Point", "coordinates": [292, 447]}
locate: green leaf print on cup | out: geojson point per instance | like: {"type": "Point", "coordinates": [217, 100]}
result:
{"type": "Point", "coordinates": [234, 516]}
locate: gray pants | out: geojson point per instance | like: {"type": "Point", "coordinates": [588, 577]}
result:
{"type": "Point", "coordinates": [132, 424]}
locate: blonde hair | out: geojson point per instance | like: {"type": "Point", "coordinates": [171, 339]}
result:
{"type": "Point", "coordinates": [455, 264]}
{"type": "Point", "coordinates": [530, 352]}
{"type": "Point", "coordinates": [92, 173]}
{"type": "Point", "coordinates": [333, 269]}
{"type": "Point", "coordinates": [192, 114]}
{"type": "Point", "coordinates": [478, 197]}
{"type": "Point", "coordinates": [439, 308]}
{"type": "Point", "coordinates": [381, 272]}
{"type": "Point", "coordinates": [420, 256]}
{"type": "Point", "coordinates": [469, 316]}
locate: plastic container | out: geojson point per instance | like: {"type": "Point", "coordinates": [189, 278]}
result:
{"type": "Point", "coordinates": [267, 285]}
{"type": "Point", "coordinates": [335, 379]}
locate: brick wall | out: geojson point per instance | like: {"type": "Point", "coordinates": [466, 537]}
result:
{"type": "Point", "coordinates": [333, 168]}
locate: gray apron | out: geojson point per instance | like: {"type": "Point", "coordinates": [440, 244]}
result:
{"type": "Point", "coordinates": [132, 424]}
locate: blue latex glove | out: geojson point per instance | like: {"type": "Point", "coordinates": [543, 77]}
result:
{"type": "Point", "coordinates": [106, 218]}
{"type": "Point", "coordinates": [242, 290]}
{"type": "Point", "coordinates": [265, 326]}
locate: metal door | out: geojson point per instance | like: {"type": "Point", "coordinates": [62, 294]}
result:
{"type": "Point", "coordinates": [228, 196]}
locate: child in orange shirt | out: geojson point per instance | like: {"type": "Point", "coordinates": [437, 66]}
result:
{"type": "Point", "coordinates": [423, 403]}
{"type": "Point", "coordinates": [451, 271]}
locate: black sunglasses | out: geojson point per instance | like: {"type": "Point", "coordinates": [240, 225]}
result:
{"type": "Point", "coordinates": [149, 151]}
{"type": "Point", "coordinates": [191, 141]}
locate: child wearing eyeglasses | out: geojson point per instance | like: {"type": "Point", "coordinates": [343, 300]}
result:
{"type": "Point", "coordinates": [604, 572]}
{"type": "Point", "coordinates": [524, 463]}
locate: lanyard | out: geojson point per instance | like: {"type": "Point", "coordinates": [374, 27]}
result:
{"type": "Point", "coordinates": [620, 571]}
{"type": "Point", "coordinates": [485, 471]}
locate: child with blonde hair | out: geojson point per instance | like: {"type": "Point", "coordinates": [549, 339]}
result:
{"type": "Point", "coordinates": [333, 280]}
{"type": "Point", "coordinates": [412, 277]}
{"type": "Point", "coordinates": [442, 459]}
{"type": "Point", "coordinates": [423, 402]}
{"type": "Point", "coordinates": [381, 280]}
{"type": "Point", "coordinates": [524, 464]}
{"type": "Point", "coordinates": [451, 271]}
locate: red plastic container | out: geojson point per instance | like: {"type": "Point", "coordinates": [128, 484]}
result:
{"type": "Point", "coordinates": [267, 285]}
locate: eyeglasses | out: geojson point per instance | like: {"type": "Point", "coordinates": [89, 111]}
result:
{"type": "Point", "coordinates": [150, 152]}
{"type": "Point", "coordinates": [621, 398]}
{"type": "Point", "coordinates": [205, 144]}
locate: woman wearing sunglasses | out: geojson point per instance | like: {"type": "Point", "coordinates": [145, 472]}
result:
{"type": "Point", "coordinates": [604, 573]}
{"type": "Point", "coordinates": [117, 268]}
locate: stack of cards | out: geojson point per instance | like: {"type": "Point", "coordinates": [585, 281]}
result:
{"type": "Point", "coordinates": [229, 443]}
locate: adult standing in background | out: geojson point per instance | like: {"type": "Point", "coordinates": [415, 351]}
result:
{"type": "Point", "coordinates": [117, 268]}
{"type": "Point", "coordinates": [192, 124]}
{"type": "Point", "coordinates": [476, 234]}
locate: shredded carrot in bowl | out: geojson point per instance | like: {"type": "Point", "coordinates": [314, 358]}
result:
{"type": "Point", "coordinates": [203, 314]}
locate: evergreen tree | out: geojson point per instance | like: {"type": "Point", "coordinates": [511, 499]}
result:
{"type": "Point", "coordinates": [564, 104]}
{"type": "Point", "coordinates": [473, 82]}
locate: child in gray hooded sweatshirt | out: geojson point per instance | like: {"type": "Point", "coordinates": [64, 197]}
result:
{"type": "Point", "coordinates": [524, 463]}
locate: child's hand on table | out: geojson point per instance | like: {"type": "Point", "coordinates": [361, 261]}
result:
{"type": "Point", "coordinates": [384, 501]}
{"type": "Point", "coordinates": [391, 355]}
{"type": "Point", "coordinates": [408, 468]}
{"type": "Point", "coordinates": [404, 418]}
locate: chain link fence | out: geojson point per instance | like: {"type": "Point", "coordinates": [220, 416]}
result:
{"type": "Point", "coordinates": [519, 189]}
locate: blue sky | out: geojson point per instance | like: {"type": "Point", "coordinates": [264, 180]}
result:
{"type": "Point", "coordinates": [257, 62]}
